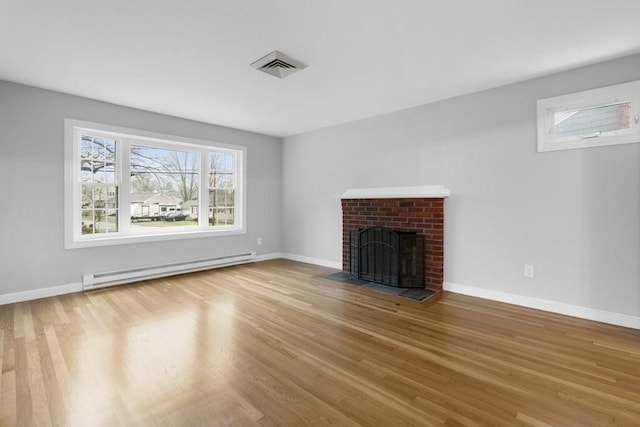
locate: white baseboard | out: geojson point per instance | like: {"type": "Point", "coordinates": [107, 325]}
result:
{"type": "Point", "coordinates": [546, 305]}
{"type": "Point", "coordinates": [40, 293]}
{"type": "Point", "coordinates": [316, 261]}
{"type": "Point", "coordinates": [268, 257]}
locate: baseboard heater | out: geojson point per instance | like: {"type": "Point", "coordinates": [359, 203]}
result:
{"type": "Point", "coordinates": [101, 280]}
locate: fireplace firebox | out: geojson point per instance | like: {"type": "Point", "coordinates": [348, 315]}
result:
{"type": "Point", "coordinates": [382, 255]}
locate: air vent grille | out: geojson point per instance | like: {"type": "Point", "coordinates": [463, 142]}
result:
{"type": "Point", "coordinates": [278, 64]}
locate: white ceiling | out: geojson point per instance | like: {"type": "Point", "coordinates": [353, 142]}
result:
{"type": "Point", "coordinates": [191, 58]}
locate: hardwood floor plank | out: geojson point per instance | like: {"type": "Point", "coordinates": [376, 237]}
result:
{"type": "Point", "coordinates": [8, 408]}
{"type": "Point", "coordinates": [39, 399]}
{"type": "Point", "coordinates": [60, 371]}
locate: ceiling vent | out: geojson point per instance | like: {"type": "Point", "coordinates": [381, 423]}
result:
{"type": "Point", "coordinates": [278, 64]}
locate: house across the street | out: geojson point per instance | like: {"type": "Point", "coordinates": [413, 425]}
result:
{"type": "Point", "coordinates": [152, 204]}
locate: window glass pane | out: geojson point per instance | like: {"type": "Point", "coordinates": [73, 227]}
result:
{"type": "Point", "coordinates": [164, 187]}
{"type": "Point", "coordinates": [86, 176]}
{"type": "Point", "coordinates": [85, 147]}
{"type": "Point", "coordinates": [111, 221]}
{"type": "Point", "coordinates": [87, 221]}
{"type": "Point", "coordinates": [221, 169]}
{"type": "Point", "coordinates": [221, 189]}
{"type": "Point", "coordinates": [592, 121]}
{"type": "Point", "coordinates": [86, 195]}
{"type": "Point", "coordinates": [112, 197]}
{"type": "Point", "coordinates": [109, 172]}
{"type": "Point", "coordinates": [99, 196]}
{"type": "Point", "coordinates": [100, 148]}
{"type": "Point", "coordinates": [98, 172]}
{"type": "Point", "coordinates": [94, 221]}
{"type": "Point", "coordinates": [99, 221]}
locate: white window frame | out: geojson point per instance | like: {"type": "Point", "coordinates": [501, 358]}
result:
{"type": "Point", "coordinates": [125, 137]}
{"type": "Point", "coordinates": [626, 92]}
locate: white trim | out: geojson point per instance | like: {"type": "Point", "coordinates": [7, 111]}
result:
{"type": "Point", "coordinates": [418, 192]}
{"type": "Point", "coordinates": [268, 257]}
{"type": "Point", "coordinates": [315, 261]}
{"type": "Point", "coordinates": [143, 238]}
{"type": "Point", "coordinates": [546, 305]}
{"type": "Point", "coordinates": [40, 293]}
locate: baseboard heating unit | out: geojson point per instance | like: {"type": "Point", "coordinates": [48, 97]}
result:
{"type": "Point", "coordinates": [101, 280]}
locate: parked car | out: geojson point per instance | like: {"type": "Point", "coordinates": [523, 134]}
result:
{"type": "Point", "coordinates": [175, 216]}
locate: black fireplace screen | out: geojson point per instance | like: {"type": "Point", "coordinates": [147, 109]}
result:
{"type": "Point", "coordinates": [382, 255]}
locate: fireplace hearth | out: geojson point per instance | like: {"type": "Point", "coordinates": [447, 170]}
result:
{"type": "Point", "coordinates": [388, 257]}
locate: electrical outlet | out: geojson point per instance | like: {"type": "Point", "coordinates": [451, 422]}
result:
{"type": "Point", "coordinates": [528, 271]}
{"type": "Point", "coordinates": [259, 241]}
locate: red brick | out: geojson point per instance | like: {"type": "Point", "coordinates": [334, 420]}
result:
{"type": "Point", "coordinates": [423, 216]}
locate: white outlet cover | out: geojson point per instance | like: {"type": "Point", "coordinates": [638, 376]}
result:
{"type": "Point", "coordinates": [528, 271]}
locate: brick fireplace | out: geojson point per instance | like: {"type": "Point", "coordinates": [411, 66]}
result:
{"type": "Point", "coordinates": [403, 209]}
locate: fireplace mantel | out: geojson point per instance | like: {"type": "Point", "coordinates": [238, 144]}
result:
{"type": "Point", "coordinates": [416, 192]}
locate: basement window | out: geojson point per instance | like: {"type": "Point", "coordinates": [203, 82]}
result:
{"type": "Point", "coordinates": [129, 186]}
{"type": "Point", "coordinates": [604, 116]}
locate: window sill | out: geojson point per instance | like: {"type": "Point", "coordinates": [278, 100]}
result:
{"type": "Point", "coordinates": [155, 237]}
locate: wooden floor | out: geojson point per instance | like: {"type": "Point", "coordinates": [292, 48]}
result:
{"type": "Point", "coordinates": [274, 343]}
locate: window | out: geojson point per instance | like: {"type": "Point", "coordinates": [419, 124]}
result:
{"type": "Point", "coordinates": [604, 116]}
{"type": "Point", "coordinates": [98, 185]}
{"type": "Point", "coordinates": [128, 186]}
{"type": "Point", "coordinates": [221, 189]}
{"type": "Point", "coordinates": [162, 180]}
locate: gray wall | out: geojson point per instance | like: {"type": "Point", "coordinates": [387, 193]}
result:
{"type": "Point", "coordinates": [572, 214]}
{"type": "Point", "coordinates": [32, 254]}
